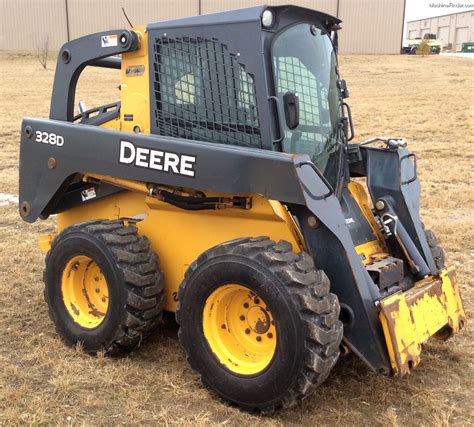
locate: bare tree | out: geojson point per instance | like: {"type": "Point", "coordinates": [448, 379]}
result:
{"type": "Point", "coordinates": [424, 48]}
{"type": "Point", "coordinates": [42, 50]}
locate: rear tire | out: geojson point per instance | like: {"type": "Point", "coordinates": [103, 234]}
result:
{"type": "Point", "coordinates": [435, 248]}
{"type": "Point", "coordinates": [103, 286]}
{"type": "Point", "coordinates": [292, 297]}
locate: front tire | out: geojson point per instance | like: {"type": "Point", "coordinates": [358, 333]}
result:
{"type": "Point", "coordinates": [436, 250]}
{"type": "Point", "coordinates": [103, 286]}
{"type": "Point", "coordinates": [258, 323]}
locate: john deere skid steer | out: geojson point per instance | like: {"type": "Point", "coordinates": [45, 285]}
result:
{"type": "Point", "coordinates": [222, 186]}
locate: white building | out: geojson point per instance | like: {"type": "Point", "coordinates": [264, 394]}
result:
{"type": "Point", "coordinates": [454, 29]}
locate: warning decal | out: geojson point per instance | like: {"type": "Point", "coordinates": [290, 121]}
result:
{"type": "Point", "coordinates": [109, 41]}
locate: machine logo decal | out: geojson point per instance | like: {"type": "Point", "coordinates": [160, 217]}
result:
{"type": "Point", "coordinates": [49, 138]}
{"type": "Point", "coordinates": [166, 161]}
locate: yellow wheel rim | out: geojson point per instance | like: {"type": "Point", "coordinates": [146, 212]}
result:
{"type": "Point", "coordinates": [239, 329]}
{"type": "Point", "coordinates": [85, 292]}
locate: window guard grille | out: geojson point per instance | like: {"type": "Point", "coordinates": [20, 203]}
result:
{"type": "Point", "coordinates": [203, 93]}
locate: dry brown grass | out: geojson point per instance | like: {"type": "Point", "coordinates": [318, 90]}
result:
{"type": "Point", "coordinates": [427, 100]}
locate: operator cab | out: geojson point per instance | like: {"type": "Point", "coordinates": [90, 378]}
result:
{"type": "Point", "coordinates": [221, 89]}
{"type": "Point", "coordinates": [205, 78]}
{"type": "Point", "coordinates": [305, 73]}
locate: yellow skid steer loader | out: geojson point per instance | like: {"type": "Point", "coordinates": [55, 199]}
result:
{"type": "Point", "coordinates": [223, 186]}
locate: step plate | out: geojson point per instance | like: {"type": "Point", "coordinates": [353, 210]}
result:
{"type": "Point", "coordinates": [433, 307]}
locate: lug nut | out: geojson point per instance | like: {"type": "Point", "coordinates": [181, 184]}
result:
{"type": "Point", "coordinates": [247, 331]}
{"type": "Point", "coordinates": [246, 305]}
{"type": "Point", "coordinates": [259, 338]}
{"type": "Point", "coordinates": [103, 299]}
{"type": "Point", "coordinates": [97, 290]}
{"type": "Point", "coordinates": [257, 301]}
{"type": "Point", "coordinates": [223, 326]}
{"type": "Point", "coordinates": [242, 317]}
{"type": "Point", "coordinates": [270, 335]}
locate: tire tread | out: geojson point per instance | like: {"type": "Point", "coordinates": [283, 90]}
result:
{"type": "Point", "coordinates": [317, 307]}
{"type": "Point", "coordinates": [436, 250]}
{"type": "Point", "coordinates": [139, 266]}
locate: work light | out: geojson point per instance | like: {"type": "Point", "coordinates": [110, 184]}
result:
{"type": "Point", "coordinates": [267, 18]}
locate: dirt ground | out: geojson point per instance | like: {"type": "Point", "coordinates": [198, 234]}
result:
{"type": "Point", "coordinates": [427, 100]}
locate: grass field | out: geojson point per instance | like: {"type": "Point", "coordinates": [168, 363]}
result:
{"type": "Point", "coordinates": [427, 100]}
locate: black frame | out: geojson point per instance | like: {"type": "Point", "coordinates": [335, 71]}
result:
{"type": "Point", "coordinates": [77, 54]}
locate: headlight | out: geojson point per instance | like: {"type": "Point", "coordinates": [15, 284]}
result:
{"type": "Point", "coordinates": [267, 18]}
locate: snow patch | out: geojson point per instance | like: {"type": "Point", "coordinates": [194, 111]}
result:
{"type": "Point", "coordinates": [7, 199]}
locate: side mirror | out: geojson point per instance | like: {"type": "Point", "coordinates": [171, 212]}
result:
{"type": "Point", "coordinates": [292, 109]}
{"type": "Point", "coordinates": [343, 88]}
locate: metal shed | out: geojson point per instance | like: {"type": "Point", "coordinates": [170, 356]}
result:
{"type": "Point", "coordinates": [369, 26]}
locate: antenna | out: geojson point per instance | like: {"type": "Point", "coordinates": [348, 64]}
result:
{"type": "Point", "coordinates": [126, 17]}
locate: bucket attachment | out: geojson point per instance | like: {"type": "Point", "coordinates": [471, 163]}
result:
{"type": "Point", "coordinates": [433, 307]}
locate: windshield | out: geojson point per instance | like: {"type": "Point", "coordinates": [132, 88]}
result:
{"type": "Point", "coordinates": [305, 63]}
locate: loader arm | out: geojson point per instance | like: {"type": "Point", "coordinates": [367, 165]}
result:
{"type": "Point", "coordinates": [78, 54]}
{"type": "Point", "coordinates": [398, 188]}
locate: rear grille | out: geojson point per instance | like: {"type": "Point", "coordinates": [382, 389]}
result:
{"type": "Point", "coordinates": [202, 92]}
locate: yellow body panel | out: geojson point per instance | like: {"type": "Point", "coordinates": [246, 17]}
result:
{"type": "Point", "coordinates": [360, 195]}
{"type": "Point", "coordinates": [432, 307]}
{"type": "Point", "coordinates": [45, 241]}
{"type": "Point", "coordinates": [134, 90]}
{"type": "Point", "coordinates": [370, 251]}
{"type": "Point", "coordinates": [179, 236]}
{"type": "Point", "coordinates": [374, 249]}
{"type": "Point", "coordinates": [114, 124]}
{"type": "Point", "coordinates": [134, 86]}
